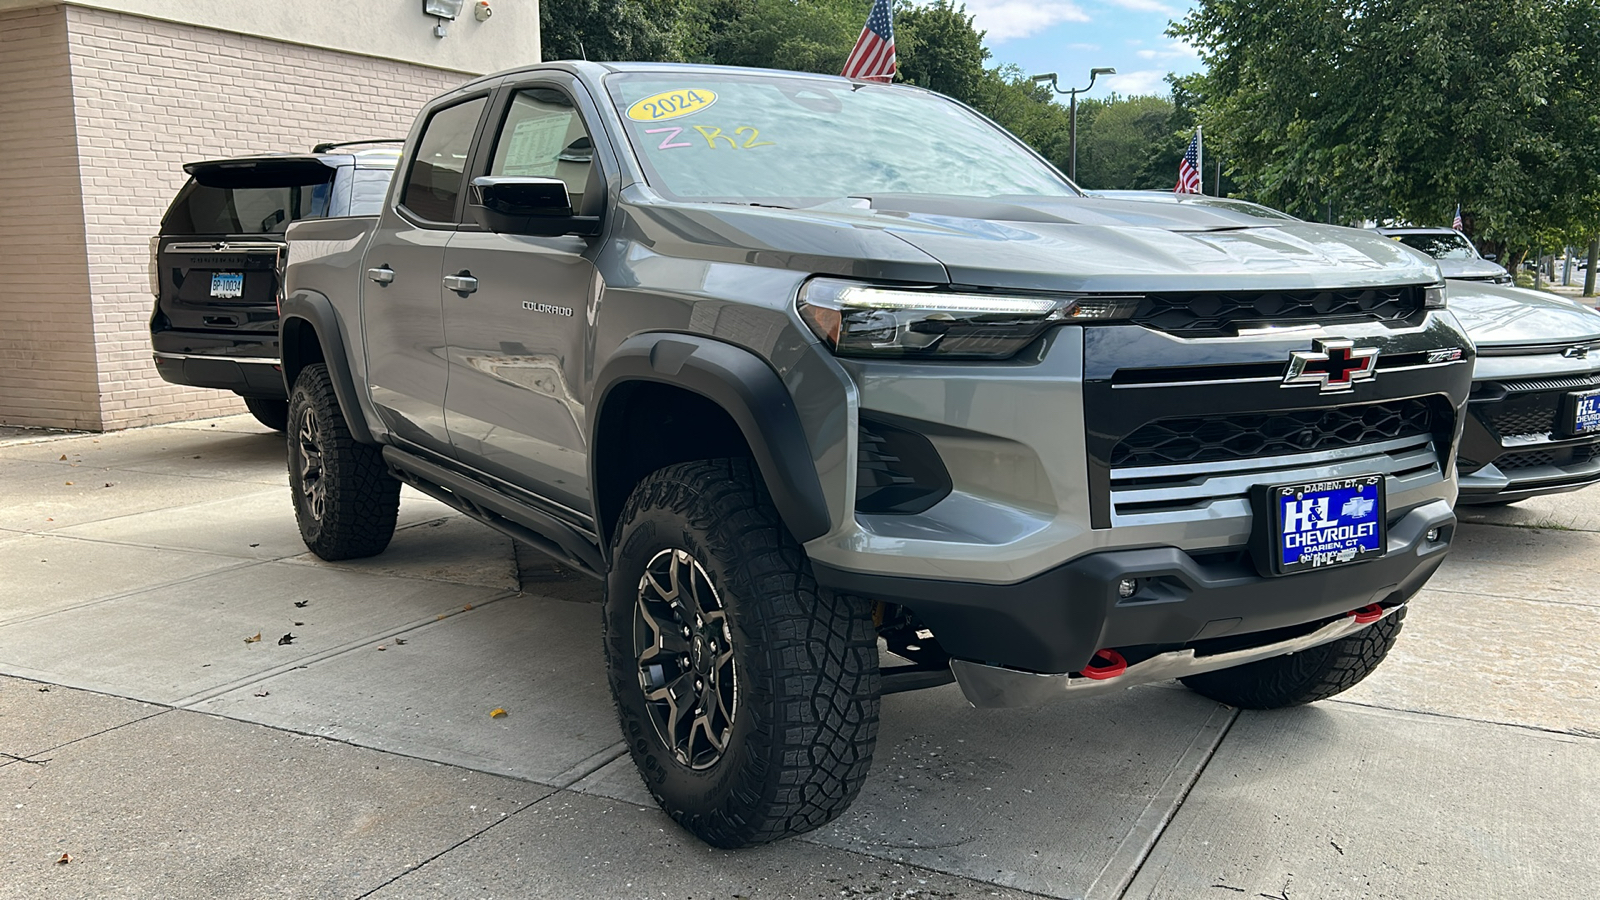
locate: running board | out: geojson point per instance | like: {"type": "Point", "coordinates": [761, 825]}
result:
{"type": "Point", "coordinates": [537, 529]}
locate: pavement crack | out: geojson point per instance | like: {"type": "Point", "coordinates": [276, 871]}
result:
{"type": "Point", "coordinates": [1580, 733]}
{"type": "Point", "coordinates": [411, 870]}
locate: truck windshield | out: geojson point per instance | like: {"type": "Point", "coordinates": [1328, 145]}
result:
{"type": "Point", "coordinates": [1439, 246]}
{"type": "Point", "coordinates": [243, 210]}
{"type": "Point", "coordinates": [789, 140]}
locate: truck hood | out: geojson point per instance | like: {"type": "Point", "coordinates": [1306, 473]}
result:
{"type": "Point", "coordinates": [1041, 243]}
{"type": "Point", "coordinates": [1470, 268]}
{"type": "Point", "coordinates": [1496, 316]}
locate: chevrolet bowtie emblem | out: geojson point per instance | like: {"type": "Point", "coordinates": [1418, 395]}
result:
{"type": "Point", "coordinates": [1332, 365]}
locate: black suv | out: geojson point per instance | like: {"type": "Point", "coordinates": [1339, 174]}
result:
{"type": "Point", "coordinates": [216, 268]}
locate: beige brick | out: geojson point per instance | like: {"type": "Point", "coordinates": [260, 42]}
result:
{"type": "Point", "coordinates": [98, 113]}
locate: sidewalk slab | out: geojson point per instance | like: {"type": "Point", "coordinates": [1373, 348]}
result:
{"type": "Point", "coordinates": [50, 497]}
{"type": "Point", "coordinates": [443, 546]}
{"type": "Point", "coordinates": [1578, 510]}
{"type": "Point", "coordinates": [1493, 657]}
{"type": "Point", "coordinates": [36, 717]}
{"type": "Point", "coordinates": [1556, 566]}
{"type": "Point", "coordinates": [169, 451]}
{"type": "Point", "coordinates": [540, 660]}
{"type": "Point", "coordinates": [1335, 801]}
{"type": "Point", "coordinates": [1058, 800]}
{"type": "Point", "coordinates": [185, 805]}
{"type": "Point", "coordinates": [572, 846]}
{"type": "Point", "coordinates": [47, 573]}
{"type": "Point", "coordinates": [174, 642]}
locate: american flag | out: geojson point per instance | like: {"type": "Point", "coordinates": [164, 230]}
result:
{"type": "Point", "coordinates": [873, 56]}
{"type": "Point", "coordinates": [1457, 224]}
{"type": "Point", "coordinates": [1189, 168]}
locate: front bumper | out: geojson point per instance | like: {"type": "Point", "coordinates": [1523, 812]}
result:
{"type": "Point", "coordinates": [1515, 444]}
{"type": "Point", "coordinates": [1053, 623]}
{"type": "Point", "coordinates": [996, 686]}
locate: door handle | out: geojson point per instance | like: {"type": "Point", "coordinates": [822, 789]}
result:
{"type": "Point", "coordinates": [382, 274]}
{"type": "Point", "coordinates": [462, 284]}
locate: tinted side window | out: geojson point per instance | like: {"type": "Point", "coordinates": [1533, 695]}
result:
{"type": "Point", "coordinates": [544, 137]}
{"type": "Point", "coordinates": [434, 181]}
{"type": "Point", "coordinates": [367, 191]}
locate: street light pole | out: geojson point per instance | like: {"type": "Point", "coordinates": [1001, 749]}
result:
{"type": "Point", "coordinates": [1072, 128]}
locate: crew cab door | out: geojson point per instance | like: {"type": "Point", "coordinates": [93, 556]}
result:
{"type": "Point", "coordinates": [402, 316]}
{"type": "Point", "coordinates": [518, 308]}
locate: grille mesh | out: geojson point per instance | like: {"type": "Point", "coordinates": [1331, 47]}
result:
{"type": "Point", "coordinates": [1199, 313]}
{"type": "Point", "coordinates": [1251, 435]}
{"type": "Point", "coordinates": [1536, 416]}
{"type": "Point", "coordinates": [1564, 456]}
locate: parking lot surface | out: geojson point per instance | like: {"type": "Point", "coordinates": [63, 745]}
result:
{"type": "Point", "coordinates": [193, 706]}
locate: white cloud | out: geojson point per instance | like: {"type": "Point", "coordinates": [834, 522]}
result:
{"type": "Point", "coordinates": [1155, 6]}
{"type": "Point", "coordinates": [1144, 81]}
{"type": "Point", "coordinates": [1007, 19]}
{"type": "Point", "coordinates": [1173, 50]}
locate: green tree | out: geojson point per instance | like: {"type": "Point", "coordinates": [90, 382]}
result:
{"type": "Point", "coordinates": [608, 30]}
{"type": "Point", "coordinates": [1403, 108]}
{"type": "Point", "coordinates": [1115, 141]}
{"type": "Point", "coordinates": [938, 48]}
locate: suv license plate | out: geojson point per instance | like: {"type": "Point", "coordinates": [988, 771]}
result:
{"type": "Point", "coordinates": [1317, 524]}
{"type": "Point", "coordinates": [227, 284]}
{"type": "Point", "coordinates": [1582, 413]}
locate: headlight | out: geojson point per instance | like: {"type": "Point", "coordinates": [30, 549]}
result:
{"type": "Point", "coordinates": [1433, 297]}
{"type": "Point", "coordinates": [926, 323]}
{"type": "Point", "coordinates": [1504, 279]}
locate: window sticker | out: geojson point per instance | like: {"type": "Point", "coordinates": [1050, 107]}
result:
{"type": "Point", "coordinates": [671, 104]}
{"type": "Point", "coordinates": [535, 145]}
{"type": "Point", "coordinates": [744, 137]}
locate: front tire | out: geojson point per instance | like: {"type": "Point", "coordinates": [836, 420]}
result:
{"type": "Point", "coordinates": [1304, 677]}
{"type": "Point", "coordinates": [272, 413]}
{"type": "Point", "coordinates": [345, 500]}
{"type": "Point", "coordinates": [747, 694]}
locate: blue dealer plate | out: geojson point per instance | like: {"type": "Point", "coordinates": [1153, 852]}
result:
{"type": "Point", "coordinates": [1585, 417]}
{"type": "Point", "coordinates": [227, 284]}
{"type": "Point", "coordinates": [1319, 524]}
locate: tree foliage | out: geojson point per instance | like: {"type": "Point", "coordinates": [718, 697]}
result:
{"type": "Point", "coordinates": [1404, 108]}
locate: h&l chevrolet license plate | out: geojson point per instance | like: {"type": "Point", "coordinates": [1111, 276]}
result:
{"type": "Point", "coordinates": [1583, 413]}
{"type": "Point", "coordinates": [1318, 524]}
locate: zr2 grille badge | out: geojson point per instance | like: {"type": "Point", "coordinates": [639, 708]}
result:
{"type": "Point", "coordinates": [1333, 366]}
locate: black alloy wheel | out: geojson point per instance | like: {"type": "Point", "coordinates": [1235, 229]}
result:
{"type": "Point", "coordinates": [345, 500]}
{"type": "Point", "coordinates": [684, 645]}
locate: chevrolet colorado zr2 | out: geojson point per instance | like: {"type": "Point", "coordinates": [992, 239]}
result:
{"type": "Point", "coordinates": [800, 367]}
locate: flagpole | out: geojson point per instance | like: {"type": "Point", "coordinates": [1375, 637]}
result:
{"type": "Point", "coordinates": [1200, 158]}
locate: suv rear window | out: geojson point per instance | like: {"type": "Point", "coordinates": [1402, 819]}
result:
{"type": "Point", "coordinates": [260, 210]}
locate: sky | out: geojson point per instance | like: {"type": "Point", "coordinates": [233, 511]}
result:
{"type": "Point", "coordinates": [1070, 37]}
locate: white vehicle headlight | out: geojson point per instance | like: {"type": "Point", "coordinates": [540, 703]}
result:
{"type": "Point", "coordinates": [856, 319]}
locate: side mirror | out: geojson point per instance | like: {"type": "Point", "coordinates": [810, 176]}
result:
{"type": "Point", "coordinates": [1490, 257]}
{"type": "Point", "coordinates": [536, 206]}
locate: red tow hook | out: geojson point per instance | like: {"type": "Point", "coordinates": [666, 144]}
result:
{"type": "Point", "coordinates": [1114, 665]}
{"type": "Point", "coordinates": [1366, 615]}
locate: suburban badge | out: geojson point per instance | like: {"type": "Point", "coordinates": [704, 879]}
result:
{"type": "Point", "coordinates": [1331, 365]}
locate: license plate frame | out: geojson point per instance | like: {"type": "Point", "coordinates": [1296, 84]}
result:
{"type": "Point", "coordinates": [1320, 524]}
{"type": "Point", "coordinates": [1580, 413]}
{"type": "Point", "coordinates": [227, 285]}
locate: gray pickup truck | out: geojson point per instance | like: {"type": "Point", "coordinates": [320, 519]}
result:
{"type": "Point", "coordinates": [842, 390]}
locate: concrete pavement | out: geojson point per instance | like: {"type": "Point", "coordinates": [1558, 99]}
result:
{"type": "Point", "coordinates": [143, 735]}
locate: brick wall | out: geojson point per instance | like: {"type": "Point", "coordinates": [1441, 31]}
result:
{"type": "Point", "coordinates": [47, 354]}
{"type": "Point", "coordinates": [149, 96]}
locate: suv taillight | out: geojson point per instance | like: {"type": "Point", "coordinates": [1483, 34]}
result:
{"type": "Point", "coordinates": [155, 266]}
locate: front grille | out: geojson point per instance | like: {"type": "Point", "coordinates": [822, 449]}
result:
{"type": "Point", "coordinates": [1249, 436]}
{"type": "Point", "coordinates": [1195, 313]}
{"type": "Point", "coordinates": [1524, 416]}
{"type": "Point", "coordinates": [1554, 456]}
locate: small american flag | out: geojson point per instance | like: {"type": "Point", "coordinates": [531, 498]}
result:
{"type": "Point", "coordinates": [1189, 168]}
{"type": "Point", "coordinates": [1457, 224]}
{"type": "Point", "coordinates": [873, 56]}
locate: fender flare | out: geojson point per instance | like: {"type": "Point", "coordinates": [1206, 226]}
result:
{"type": "Point", "coordinates": [748, 389]}
{"type": "Point", "coordinates": [311, 309]}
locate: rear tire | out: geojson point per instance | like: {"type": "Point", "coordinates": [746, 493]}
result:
{"type": "Point", "coordinates": [777, 677]}
{"type": "Point", "coordinates": [272, 413]}
{"type": "Point", "coordinates": [1304, 677]}
{"type": "Point", "coordinates": [345, 500]}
